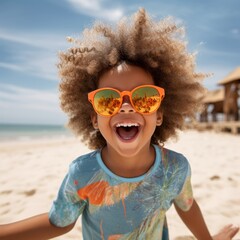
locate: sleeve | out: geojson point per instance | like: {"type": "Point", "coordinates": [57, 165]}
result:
{"type": "Point", "coordinates": [68, 206]}
{"type": "Point", "coordinates": [184, 199]}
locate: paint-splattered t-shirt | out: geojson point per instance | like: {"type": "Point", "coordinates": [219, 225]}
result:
{"type": "Point", "coordinates": [114, 207]}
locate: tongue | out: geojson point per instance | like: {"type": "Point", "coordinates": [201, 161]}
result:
{"type": "Point", "coordinates": [127, 133]}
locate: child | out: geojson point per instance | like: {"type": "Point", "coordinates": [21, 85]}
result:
{"type": "Point", "coordinates": [126, 91]}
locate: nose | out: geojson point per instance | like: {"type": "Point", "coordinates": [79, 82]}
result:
{"type": "Point", "coordinates": [126, 106]}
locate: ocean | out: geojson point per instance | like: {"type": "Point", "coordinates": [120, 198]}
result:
{"type": "Point", "coordinates": [31, 131]}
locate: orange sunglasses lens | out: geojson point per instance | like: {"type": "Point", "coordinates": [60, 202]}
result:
{"type": "Point", "coordinates": [146, 99]}
{"type": "Point", "coordinates": [107, 102]}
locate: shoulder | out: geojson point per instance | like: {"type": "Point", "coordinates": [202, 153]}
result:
{"type": "Point", "coordinates": [175, 161]}
{"type": "Point", "coordinates": [172, 157]}
{"type": "Point", "coordinates": [84, 163]}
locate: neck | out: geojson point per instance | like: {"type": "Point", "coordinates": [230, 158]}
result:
{"type": "Point", "coordinates": [129, 166]}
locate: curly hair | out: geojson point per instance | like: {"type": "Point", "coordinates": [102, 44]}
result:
{"type": "Point", "coordinates": [158, 47]}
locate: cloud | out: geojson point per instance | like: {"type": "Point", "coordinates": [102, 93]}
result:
{"type": "Point", "coordinates": [11, 66]}
{"type": "Point", "coordinates": [42, 40]}
{"type": "Point", "coordinates": [96, 9]}
{"type": "Point", "coordinates": [34, 54]}
{"type": "Point", "coordinates": [38, 63]}
{"type": "Point", "coordinates": [28, 105]}
{"type": "Point", "coordinates": [41, 64]}
{"type": "Point", "coordinates": [30, 98]}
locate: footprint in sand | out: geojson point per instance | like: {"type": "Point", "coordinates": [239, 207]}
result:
{"type": "Point", "coordinates": [6, 192]}
{"type": "Point", "coordinates": [29, 193]}
{"type": "Point", "coordinates": [215, 177]}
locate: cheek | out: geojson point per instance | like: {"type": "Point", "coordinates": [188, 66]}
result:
{"type": "Point", "coordinates": [103, 123]}
{"type": "Point", "coordinates": [150, 123]}
{"type": "Point", "coordinates": [152, 119]}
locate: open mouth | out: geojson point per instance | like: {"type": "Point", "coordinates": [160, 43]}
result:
{"type": "Point", "coordinates": [127, 131]}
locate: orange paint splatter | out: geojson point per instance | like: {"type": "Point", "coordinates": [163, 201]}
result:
{"type": "Point", "coordinates": [94, 192]}
{"type": "Point", "coordinates": [114, 237]}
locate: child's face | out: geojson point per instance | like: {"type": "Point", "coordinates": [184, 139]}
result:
{"type": "Point", "coordinates": [127, 141]}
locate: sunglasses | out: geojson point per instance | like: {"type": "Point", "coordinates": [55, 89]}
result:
{"type": "Point", "coordinates": [145, 99]}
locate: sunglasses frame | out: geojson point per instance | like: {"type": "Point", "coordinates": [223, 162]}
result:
{"type": "Point", "coordinates": [92, 94]}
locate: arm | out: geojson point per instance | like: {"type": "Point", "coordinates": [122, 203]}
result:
{"type": "Point", "coordinates": [38, 228]}
{"type": "Point", "coordinates": [194, 221]}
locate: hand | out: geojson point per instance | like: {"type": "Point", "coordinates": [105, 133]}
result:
{"type": "Point", "coordinates": [227, 233]}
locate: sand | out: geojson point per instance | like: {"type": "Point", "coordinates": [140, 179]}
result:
{"type": "Point", "coordinates": [31, 172]}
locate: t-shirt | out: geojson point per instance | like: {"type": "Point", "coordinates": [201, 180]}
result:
{"type": "Point", "coordinates": [118, 208]}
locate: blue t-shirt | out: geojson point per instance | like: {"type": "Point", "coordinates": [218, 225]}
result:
{"type": "Point", "coordinates": [118, 208]}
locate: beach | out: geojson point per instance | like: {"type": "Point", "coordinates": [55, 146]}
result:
{"type": "Point", "coordinates": [32, 170]}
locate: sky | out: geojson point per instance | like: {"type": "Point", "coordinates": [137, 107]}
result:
{"type": "Point", "coordinates": [33, 32]}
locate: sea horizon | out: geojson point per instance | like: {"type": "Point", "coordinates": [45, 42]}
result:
{"type": "Point", "coordinates": [25, 131]}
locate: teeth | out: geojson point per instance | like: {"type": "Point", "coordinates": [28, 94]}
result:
{"type": "Point", "coordinates": [127, 125]}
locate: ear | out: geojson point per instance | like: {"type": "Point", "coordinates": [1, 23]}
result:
{"type": "Point", "coordinates": [94, 120]}
{"type": "Point", "coordinates": [159, 118]}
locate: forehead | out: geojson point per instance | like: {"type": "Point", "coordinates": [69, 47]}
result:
{"type": "Point", "coordinates": [125, 77]}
